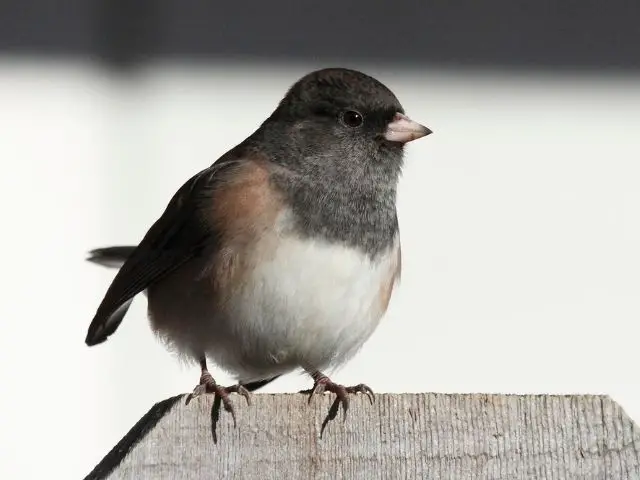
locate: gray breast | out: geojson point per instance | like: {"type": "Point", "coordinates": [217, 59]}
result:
{"type": "Point", "coordinates": [361, 216]}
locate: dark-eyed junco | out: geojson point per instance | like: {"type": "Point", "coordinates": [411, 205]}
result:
{"type": "Point", "coordinates": [284, 253]}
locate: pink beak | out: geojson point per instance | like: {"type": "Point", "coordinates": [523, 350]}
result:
{"type": "Point", "coordinates": [402, 129]}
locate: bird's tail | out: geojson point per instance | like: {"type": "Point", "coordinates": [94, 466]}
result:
{"type": "Point", "coordinates": [111, 257]}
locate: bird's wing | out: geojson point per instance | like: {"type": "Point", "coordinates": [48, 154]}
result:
{"type": "Point", "coordinates": [180, 234]}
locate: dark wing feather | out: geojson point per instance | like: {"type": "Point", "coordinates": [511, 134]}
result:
{"type": "Point", "coordinates": [180, 234]}
{"type": "Point", "coordinates": [113, 257]}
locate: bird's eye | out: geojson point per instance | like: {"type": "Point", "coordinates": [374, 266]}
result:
{"type": "Point", "coordinates": [352, 119]}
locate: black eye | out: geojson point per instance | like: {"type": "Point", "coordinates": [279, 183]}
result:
{"type": "Point", "coordinates": [351, 118]}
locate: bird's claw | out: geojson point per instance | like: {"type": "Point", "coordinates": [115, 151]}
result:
{"type": "Point", "coordinates": [324, 384]}
{"type": "Point", "coordinates": [364, 389]}
{"type": "Point", "coordinates": [208, 385]}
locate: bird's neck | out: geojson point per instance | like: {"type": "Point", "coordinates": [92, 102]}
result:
{"type": "Point", "coordinates": [360, 216]}
{"type": "Point", "coordinates": [337, 198]}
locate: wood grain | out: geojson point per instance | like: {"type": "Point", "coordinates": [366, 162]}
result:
{"type": "Point", "coordinates": [431, 436]}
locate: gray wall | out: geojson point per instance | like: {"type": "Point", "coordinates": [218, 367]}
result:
{"type": "Point", "coordinates": [545, 34]}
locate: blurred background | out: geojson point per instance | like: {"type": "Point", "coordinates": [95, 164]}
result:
{"type": "Point", "coordinates": [519, 215]}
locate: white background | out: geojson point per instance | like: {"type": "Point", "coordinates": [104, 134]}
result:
{"type": "Point", "coordinates": [520, 220]}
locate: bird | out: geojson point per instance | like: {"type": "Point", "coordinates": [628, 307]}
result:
{"type": "Point", "coordinates": [283, 254]}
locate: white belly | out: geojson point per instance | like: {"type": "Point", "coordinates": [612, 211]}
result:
{"type": "Point", "coordinates": [311, 305]}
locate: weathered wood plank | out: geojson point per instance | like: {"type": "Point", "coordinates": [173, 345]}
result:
{"type": "Point", "coordinates": [401, 436]}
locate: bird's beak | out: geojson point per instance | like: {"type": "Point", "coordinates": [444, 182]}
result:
{"type": "Point", "coordinates": [402, 129]}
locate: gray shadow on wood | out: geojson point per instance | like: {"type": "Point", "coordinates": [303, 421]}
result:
{"type": "Point", "coordinates": [215, 418]}
{"type": "Point", "coordinates": [135, 435]}
{"type": "Point", "coordinates": [331, 415]}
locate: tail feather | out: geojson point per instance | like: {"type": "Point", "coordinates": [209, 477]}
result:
{"type": "Point", "coordinates": [258, 384]}
{"type": "Point", "coordinates": [111, 257]}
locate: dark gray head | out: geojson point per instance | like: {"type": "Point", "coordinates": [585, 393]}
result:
{"type": "Point", "coordinates": [340, 135]}
{"type": "Point", "coordinates": [342, 124]}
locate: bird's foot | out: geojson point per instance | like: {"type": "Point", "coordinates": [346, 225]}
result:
{"type": "Point", "coordinates": [322, 384]}
{"type": "Point", "coordinates": [208, 385]}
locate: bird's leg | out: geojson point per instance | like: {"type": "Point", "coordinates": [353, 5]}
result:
{"type": "Point", "coordinates": [208, 385]}
{"type": "Point", "coordinates": [322, 383]}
